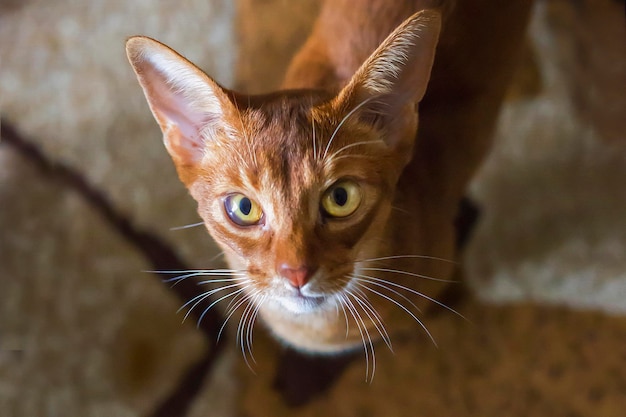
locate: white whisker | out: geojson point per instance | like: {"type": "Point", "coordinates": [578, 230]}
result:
{"type": "Point", "coordinates": [233, 277]}
{"type": "Point", "coordinates": [401, 210]}
{"type": "Point", "coordinates": [187, 226]}
{"type": "Point", "coordinates": [363, 330]}
{"type": "Point", "coordinates": [384, 258]}
{"type": "Point", "coordinates": [204, 295]}
{"type": "Point", "coordinates": [212, 281]}
{"type": "Point", "coordinates": [351, 310]}
{"type": "Point", "coordinates": [360, 277]}
{"type": "Point", "coordinates": [246, 136]}
{"type": "Point", "coordinates": [346, 117]}
{"type": "Point", "coordinates": [403, 308]}
{"type": "Point", "coordinates": [351, 145]}
{"type": "Point", "coordinates": [315, 156]}
{"type": "Point", "coordinates": [250, 328]}
{"type": "Point", "coordinates": [193, 271]}
{"type": "Point", "coordinates": [439, 303]}
{"type": "Point", "coordinates": [374, 316]}
{"type": "Point", "coordinates": [343, 308]}
{"type": "Point", "coordinates": [241, 330]}
{"type": "Point", "coordinates": [233, 301]}
{"type": "Point", "coordinates": [232, 310]}
{"type": "Point", "coordinates": [412, 274]}
{"type": "Point", "coordinates": [190, 273]}
{"type": "Point", "coordinates": [217, 255]}
{"type": "Point", "coordinates": [334, 160]}
{"type": "Point", "coordinates": [214, 302]}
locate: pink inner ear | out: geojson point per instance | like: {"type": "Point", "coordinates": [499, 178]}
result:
{"type": "Point", "coordinates": [186, 103]}
{"type": "Point", "coordinates": [172, 107]}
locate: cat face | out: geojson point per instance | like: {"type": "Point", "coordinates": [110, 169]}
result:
{"type": "Point", "coordinates": [292, 208]}
{"type": "Point", "coordinates": [296, 186]}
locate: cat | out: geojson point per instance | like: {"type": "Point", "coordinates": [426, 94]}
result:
{"type": "Point", "coordinates": [314, 192]}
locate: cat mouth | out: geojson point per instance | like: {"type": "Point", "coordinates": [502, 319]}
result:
{"type": "Point", "coordinates": [317, 300]}
{"type": "Point", "coordinates": [300, 303]}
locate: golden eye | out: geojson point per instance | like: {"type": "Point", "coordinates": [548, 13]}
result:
{"type": "Point", "coordinates": [242, 210]}
{"type": "Point", "coordinates": [342, 199]}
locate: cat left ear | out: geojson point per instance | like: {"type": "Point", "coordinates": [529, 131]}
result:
{"type": "Point", "coordinates": [189, 106]}
{"type": "Point", "coordinates": [394, 78]}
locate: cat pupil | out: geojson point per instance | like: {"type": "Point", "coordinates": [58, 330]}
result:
{"type": "Point", "coordinates": [245, 205]}
{"type": "Point", "coordinates": [340, 195]}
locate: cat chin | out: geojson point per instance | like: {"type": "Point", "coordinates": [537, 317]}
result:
{"type": "Point", "coordinates": [301, 304]}
{"type": "Point", "coordinates": [309, 325]}
{"type": "Point", "coordinates": [328, 350]}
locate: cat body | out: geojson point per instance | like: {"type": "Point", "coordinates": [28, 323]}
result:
{"type": "Point", "coordinates": [335, 230]}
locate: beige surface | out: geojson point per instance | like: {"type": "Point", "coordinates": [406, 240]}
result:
{"type": "Point", "coordinates": [83, 332]}
{"type": "Point", "coordinates": [553, 192]}
{"type": "Point", "coordinates": [517, 361]}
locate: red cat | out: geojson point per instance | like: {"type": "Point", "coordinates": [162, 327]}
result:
{"type": "Point", "coordinates": [335, 219]}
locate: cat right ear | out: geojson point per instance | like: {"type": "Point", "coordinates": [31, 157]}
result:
{"type": "Point", "coordinates": [389, 84]}
{"type": "Point", "coordinates": [189, 106]}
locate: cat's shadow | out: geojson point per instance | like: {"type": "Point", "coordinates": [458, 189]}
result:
{"type": "Point", "coordinates": [321, 372]}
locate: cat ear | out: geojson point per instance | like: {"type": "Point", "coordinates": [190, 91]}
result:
{"type": "Point", "coordinates": [188, 105]}
{"type": "Point", "coordinates": [394, 78]}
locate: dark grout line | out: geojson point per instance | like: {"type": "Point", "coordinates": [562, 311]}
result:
{"type": "Point", "coordinates": [159, 253]}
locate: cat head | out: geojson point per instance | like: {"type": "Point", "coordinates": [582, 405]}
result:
{"type": "Point", "coordinates": [296, 186]}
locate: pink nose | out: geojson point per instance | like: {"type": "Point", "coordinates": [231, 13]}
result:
{"type": "Point", "coordinates": [298, 277]}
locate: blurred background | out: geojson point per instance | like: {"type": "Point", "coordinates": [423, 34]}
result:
{"type": "Point", "coordinates": [84, 332]}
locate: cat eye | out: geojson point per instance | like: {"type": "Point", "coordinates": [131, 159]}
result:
{"type": "Point", "coordinates": [342, 199]}
{"type": "Point", "coordinates": [242, 210]}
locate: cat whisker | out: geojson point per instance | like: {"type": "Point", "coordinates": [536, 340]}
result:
{"type": "Point", "coordinates": [402, 307]}
{"type": "Point", "coordinates": [200, 298]}
{"type": "Point", "coordinates": [315, 156]}
{"type": "Point", "coordinates": [345, 315]}
{"type": "Point", "coordinates": [368, 346]}
{"type": "Point", "coordinates": [401, 210]}
{"type": "Point", "coordinates": [334, 160]}
{"type": "Point", "coordinates": [217, 255]}
{"type": "Point", "coordinates": [251, 153]}
{"type": "Point", "coordinates": [369, 310]}
{"type": "Point", "coordinates": [195, 272]}
{"type": "Point", "coordinates": [412, 274]}
{"type": "Point", "coordinates": [351, 145]}
{"type": "Point", "coordinates": [233, 277]}
{"type": "Point", "coordinates": [213, 281]}
{"type": "Point", "coordinates": [250, 329]}
{"type": "Point", "coordinates": [242, 331]}
{"type": "Point", "coordinates": [205, 295]}
{"type": "Point", "coordinates": [184, 271]}
{"type": "Point", "coordinates": [411, 290]}
{"type": "Point", "coordinates": [360, 277]}
{"type": "Point", "coordinates": [239, 336]}
{"type": "Point", "coordinates": [233, 301]}
{"type": "Point", "coordinates": [244, 298]}
{"type": "Point", "coordinates": [187, 226]}
{"type": "Point", "coordinates": [346, 117]}
{"type": "Point", "coordinates": [190, 273]}
{"type": "Point", "coordinates": [350, 308]}
{"type": "Point", "coordinates": [428, 257]}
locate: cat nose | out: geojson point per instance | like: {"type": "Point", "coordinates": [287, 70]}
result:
{"type": "Point", "coordinates": [297, 277]}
